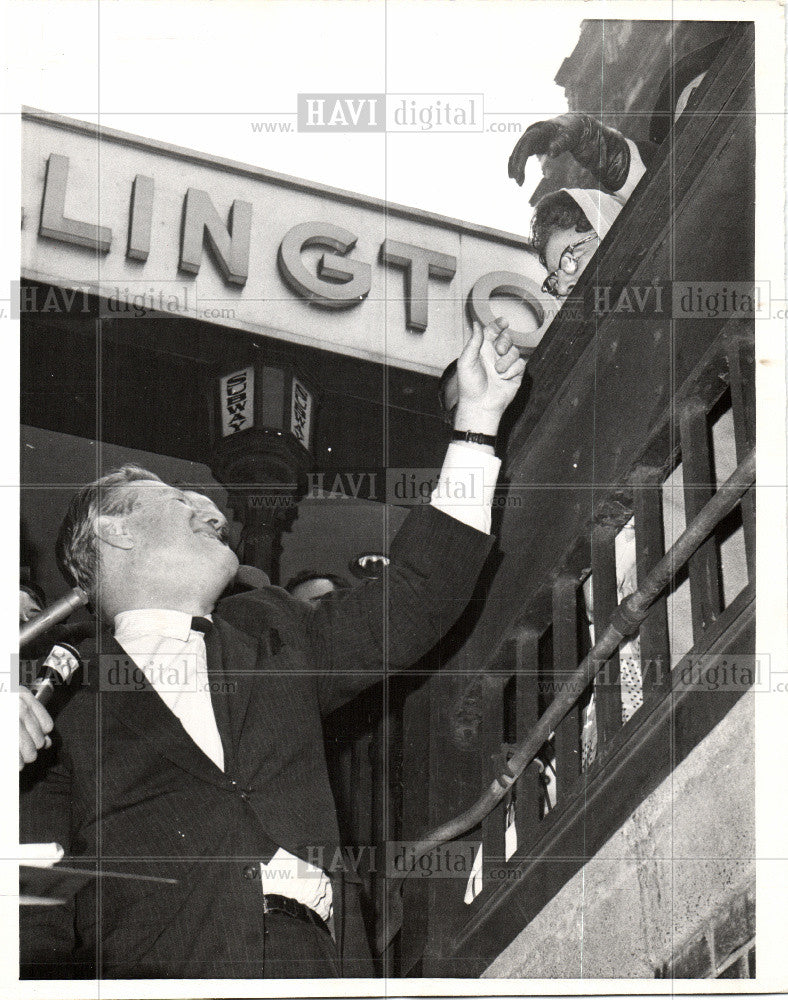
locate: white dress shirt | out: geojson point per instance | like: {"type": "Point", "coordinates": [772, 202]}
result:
{"type": "Point", "coordinates": [172, 656]}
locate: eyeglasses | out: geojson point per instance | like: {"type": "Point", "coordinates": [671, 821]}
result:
{"type": "Point", "coordinates": [568, 262]}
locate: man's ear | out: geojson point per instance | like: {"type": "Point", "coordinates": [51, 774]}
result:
{"type": "Point", "coordinates": [113, 531]}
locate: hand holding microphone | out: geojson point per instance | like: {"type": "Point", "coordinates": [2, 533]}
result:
{"type": "Point", "coordinates": [34, 725]}
{"type": "Point", "coordinates": [35, 722]}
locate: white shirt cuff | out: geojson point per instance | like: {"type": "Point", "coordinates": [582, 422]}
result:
{"type": "Point", "coordinates": [466, 485]}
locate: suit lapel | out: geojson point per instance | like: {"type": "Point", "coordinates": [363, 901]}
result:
{"type": "Point", "coordinates": [131, 701]}
{"type": "Point", "coordinates": [234, 654]}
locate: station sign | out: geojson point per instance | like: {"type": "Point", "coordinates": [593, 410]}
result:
{"type": "Point", "coordinates": [139, 222]}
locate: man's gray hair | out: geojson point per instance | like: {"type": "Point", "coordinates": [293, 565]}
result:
{"type": "Point", "coordinates": [76, 549]}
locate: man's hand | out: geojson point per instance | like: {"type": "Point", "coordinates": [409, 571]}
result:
{"type": "Point", "coordinates": [598, 148]}
{"type": "Point", "coordinates": [34, 724]}
{"type": "Point", "coordinates": [489, 373]}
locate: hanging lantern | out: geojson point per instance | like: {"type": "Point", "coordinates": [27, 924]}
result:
{"type": "Point", "coordinates": [263, 417]}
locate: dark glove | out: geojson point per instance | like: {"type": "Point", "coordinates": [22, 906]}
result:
{"type": "Point", "coordinates": [602, 150]}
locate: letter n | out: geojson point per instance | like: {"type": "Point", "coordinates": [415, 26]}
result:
{"type": "Point", "coordinates": [229, 245]}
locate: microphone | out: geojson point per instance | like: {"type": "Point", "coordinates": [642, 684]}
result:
{"type": "Point", "coordinates": [59, 667]}
{"type": "Point", "coordinates": [53, 615]}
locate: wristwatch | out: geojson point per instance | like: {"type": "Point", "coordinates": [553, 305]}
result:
{"type": "Point", "coordinates": [474, 436]}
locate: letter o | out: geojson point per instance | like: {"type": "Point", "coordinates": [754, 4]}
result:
{"type": "Point", "coordinates": [506, 283]}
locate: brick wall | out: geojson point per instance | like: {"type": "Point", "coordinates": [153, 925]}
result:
{"type": "Point", "coordinates": [723, 947]}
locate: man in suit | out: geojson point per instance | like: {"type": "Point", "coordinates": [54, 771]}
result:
{"type": "Point", "coordinates": [192, 750]}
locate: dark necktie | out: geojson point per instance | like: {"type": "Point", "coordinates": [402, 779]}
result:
{"type": "Point", "coordinates": [199, 624]}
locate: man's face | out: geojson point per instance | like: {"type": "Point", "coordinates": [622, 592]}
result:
{"type": "Point", "coordinates": [180, 535]}
{"type": "Point", "coordinates": [205, 507]}
{"type": "Point", "coordinates": [313, 591]}
{"type": "Point", "coordinates": [559, 240]}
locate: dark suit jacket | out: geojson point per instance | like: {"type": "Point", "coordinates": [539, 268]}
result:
{"type": "Point", "coordinates": [130, 792]}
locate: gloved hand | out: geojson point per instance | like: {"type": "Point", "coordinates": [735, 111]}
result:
{"type": "Point", "coordinates": [602, 150]}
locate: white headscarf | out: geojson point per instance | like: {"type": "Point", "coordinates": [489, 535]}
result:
{"type": "Point", "coordinates": [599, 208]}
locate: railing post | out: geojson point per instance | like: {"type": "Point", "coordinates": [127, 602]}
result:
{"type": "Point", "coordinates": [741, 366]}
{"type": "Point", "coordinates": [607, 689]}
{"type": "Point", "coordinates": [649, 549]}
{"type": "Point", "coordinates": [387, 733]}
{"type": "Point", "coordinates": [565, 660]}
{"type": "Point", "coordinates": [699, 487]}
{"type": "Point", "coordinates": [527, 802]}
{"type": "Point", "coordinates": [494, 824]}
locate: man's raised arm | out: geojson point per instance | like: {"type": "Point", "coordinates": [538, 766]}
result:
{"type": "Point", "coordinates": [438, 552]}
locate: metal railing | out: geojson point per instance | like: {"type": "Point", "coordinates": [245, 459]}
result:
{"type": "Point", "coordinates": [625, 621]}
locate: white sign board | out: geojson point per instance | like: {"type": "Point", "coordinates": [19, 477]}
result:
{"type": "Point", "coordinates": [301, 413]}
{"type": "Point", "coordinates": [189, 234]}
{"type": "Point", "coordinates": [237, 401]}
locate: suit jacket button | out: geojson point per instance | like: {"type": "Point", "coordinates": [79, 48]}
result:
{"type": "Point", "coordinates": [245, 796]}
{"type": "Point", "coordinates": [252, 872]}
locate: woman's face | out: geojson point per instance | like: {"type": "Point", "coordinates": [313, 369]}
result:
{"type": "Point", "coordinates": [559, 241]}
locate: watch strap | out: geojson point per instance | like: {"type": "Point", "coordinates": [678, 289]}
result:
{"type": "Point", "coordinates": [475, 437]}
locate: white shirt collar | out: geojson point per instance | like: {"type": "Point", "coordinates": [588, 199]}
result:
{"type": "Point", "coordinates": [154, 621]}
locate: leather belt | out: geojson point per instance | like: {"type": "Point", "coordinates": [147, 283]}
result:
{"type": "Point", "coordinates": [273, 903]}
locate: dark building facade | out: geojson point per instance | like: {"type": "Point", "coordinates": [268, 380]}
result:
{"type": "Point", "coordinates": [622, 431]}
{"type": "Point", "coordinates": [617, 72]}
